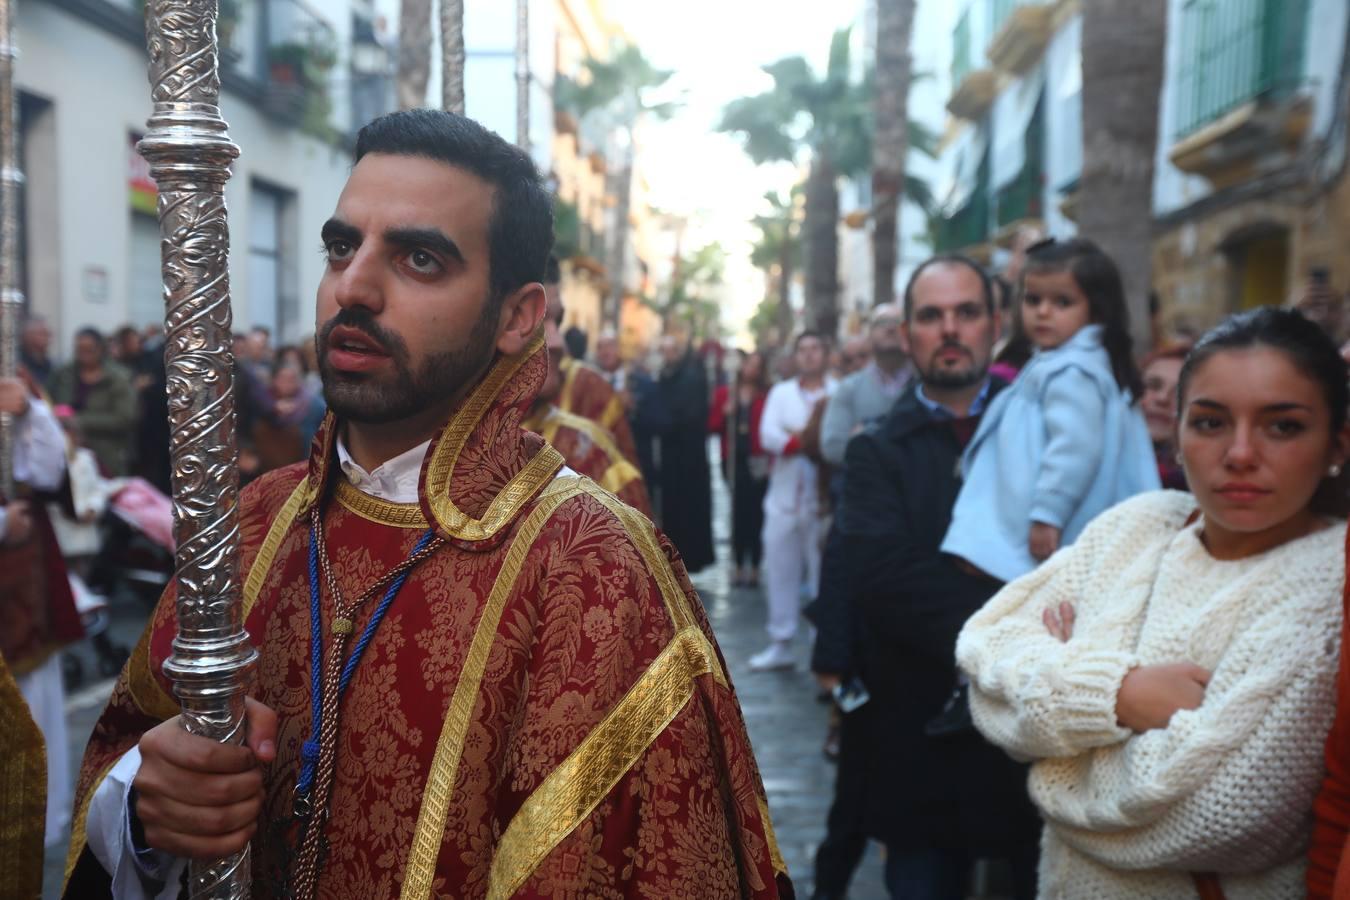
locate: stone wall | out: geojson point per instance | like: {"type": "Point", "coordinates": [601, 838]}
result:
{"type": "Point", "coordinates": [1196, 264]}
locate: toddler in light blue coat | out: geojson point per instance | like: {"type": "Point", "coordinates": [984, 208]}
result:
{"type": "Point", "coordinates": [1067, 440]}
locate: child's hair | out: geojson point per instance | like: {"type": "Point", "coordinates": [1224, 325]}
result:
{"type": "Point", "coordinates": [1310, 351]}
{"type": "Point", "coordinates": [1100, 281]}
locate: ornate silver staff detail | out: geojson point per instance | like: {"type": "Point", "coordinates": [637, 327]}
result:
{"type": "Point", "coordinates": [11, 298]}
{"type": "Point", "coordinates": [190, 154]}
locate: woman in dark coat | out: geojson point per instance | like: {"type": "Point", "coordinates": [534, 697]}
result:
{"type": "Point", "coordinates": [734, 418]}
{"type": "Point", "coordinates": [685, 478]}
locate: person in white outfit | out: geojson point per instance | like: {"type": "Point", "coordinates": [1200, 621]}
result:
{"type": "Point", "coordinates": [792, 518]}
{"type": "Point", "coordinates": [1172, 673]}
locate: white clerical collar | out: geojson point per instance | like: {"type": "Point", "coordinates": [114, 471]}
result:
{"type": "Point", "coordinates": [394, 480]}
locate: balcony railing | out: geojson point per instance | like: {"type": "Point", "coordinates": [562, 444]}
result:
{"type": "Point", "coordinates": [288, 49]}
{"type": "Point", "coordinates": [1022, 198]}
{"type": "Point", "coordinates": [1234, 51]}
{"type": "Point", "coordinates": [969, 225]}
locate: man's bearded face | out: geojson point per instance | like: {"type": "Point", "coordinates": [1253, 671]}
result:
{"type": "Point", "coordinates": [406, 323]}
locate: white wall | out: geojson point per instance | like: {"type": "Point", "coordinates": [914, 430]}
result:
{"type": "Point", "coordinates": [97, 83]}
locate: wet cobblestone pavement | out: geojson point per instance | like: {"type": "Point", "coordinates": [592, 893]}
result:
{"type": "Point", "coordinates": [787, 725]}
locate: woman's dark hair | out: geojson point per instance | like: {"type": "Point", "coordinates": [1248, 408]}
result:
{"type": "Point", "coordinates": [761, 381]}
{"type": "Point", "coordinates": [1017, 351]}
{"type": "Point", "coordinates": [520, 230]}
{"type": "Point", "coordinates": [1305, 345]}
{"type": "Point", "coordinates": [1099, 279]}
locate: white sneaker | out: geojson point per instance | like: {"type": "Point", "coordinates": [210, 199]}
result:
{"type": "Point", "coordinates": [777, 655]}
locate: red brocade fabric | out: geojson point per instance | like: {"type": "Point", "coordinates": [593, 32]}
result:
{"type": "Point", "coordinates": [586, 393]}
{"type": "Point", "coordinates": [542, 713]}
{"type": "Point", "coordinates": [590, 450]}
{"type": "Point", "coordinates": [37, 609]}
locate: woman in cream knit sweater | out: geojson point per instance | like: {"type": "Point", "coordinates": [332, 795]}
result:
{"type": "Point", "coordinates": [1172, 673]}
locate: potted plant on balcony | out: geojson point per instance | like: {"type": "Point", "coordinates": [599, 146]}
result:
{"type": "Point", "coordinates": [299, 75]}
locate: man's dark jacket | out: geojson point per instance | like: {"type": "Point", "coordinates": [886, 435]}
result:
{"type": "Point", "coordinates": [910, 601]}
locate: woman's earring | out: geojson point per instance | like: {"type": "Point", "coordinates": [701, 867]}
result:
{"type": "Point", "coordinates": [1334, 471]}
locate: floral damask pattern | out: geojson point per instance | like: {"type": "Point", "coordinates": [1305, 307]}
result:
{"type": "Point", "coordinates": [582, 621]}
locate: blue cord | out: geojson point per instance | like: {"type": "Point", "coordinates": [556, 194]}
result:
{"type": "Point", "coordinates": [309, 751]}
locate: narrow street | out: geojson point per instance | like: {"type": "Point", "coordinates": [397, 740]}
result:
{"type": "Point", "coordinates": [787, 724]}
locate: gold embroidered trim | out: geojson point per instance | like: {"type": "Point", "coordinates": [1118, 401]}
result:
{"type": "Point", "coordinates": [613, 412]}
{"type": "Point", "coordinates": [276, 533]}
{"type": "Point", "coordinates": [430, 831]}
{"type": "Point", "coordinates": [23, 793]}
{"type": "Point", "coordinates": [570, 369]}
{"type": "Point", "coordinates": [381, 512]}
{"type": "Point", "coordinates": [78, 838]}
{"type": "Point", "coordinates": [517, 492]}
{"type": "Point", "coordinates": [775, 854]}
{"type": "Point", "coordinates": [573, 790]}
{"type": "Point", "coordinates": [618, 476]}
{"type": "Point", "coordinates": [644, 534]}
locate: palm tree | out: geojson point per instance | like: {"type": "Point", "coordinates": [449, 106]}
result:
{"type": "Point", "coordinates": [619, 89]}
{"type": "Point", "coordinates": [1122, 78]}
{"type": "Point", "coordinates": [890, 144]}
{"type": "Point", "coordinates": [829, 117]}
{"type": "Point", "coordinates": [777, 252]}
{"type": "Point", "coordinates": [452, 55]}
{"type": "Point", "coordinates": [414, 52]}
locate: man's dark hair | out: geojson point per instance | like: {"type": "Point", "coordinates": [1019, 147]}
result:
{"type": "Point", "coordinates": [575, 340]}
{"type": "Point", "coordinates": [808, 333]}
{"type": "Point", "coordinates": [94, 335]}
{"type": "Point", "coordinates": [261, 329]}
{"type": "Point", "coordinates": [949, 259]}
{"type": "Point", "coordinates": [520, 232]}
{"type": "Point", "coordinates": [552, 271]}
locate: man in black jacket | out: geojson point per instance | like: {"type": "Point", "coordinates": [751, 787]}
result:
{"type": "Point", "coordinates": [937, 802]}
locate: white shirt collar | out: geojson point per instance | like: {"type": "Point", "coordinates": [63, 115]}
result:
{"type": "Point", "coordinates": [394, 480]}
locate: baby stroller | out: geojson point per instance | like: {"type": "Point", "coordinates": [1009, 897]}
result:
{"type": "Point", "coordinates": [120, 539]}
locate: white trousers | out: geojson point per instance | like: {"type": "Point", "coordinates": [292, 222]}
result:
{"type": "Point", "coordinates": [791, 562]}
{"type": "Point", "coordinates": [47, 702]}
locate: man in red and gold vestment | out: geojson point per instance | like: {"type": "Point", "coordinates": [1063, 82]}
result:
{"type": "Point", "coordinates": [586, 447]}
{"type": "Point", "coordinates": [480, 675]}
{"type": "Point", "coordinates": [584, 391]}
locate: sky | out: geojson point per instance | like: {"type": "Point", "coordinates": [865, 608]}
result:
{"type": "Point", "coordinates": [717, 48]}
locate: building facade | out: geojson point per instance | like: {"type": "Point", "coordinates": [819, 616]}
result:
{"type": "Point", "coordinates": [91, 240]}
{"type": "Point", "coordinates": [1249, 190]}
